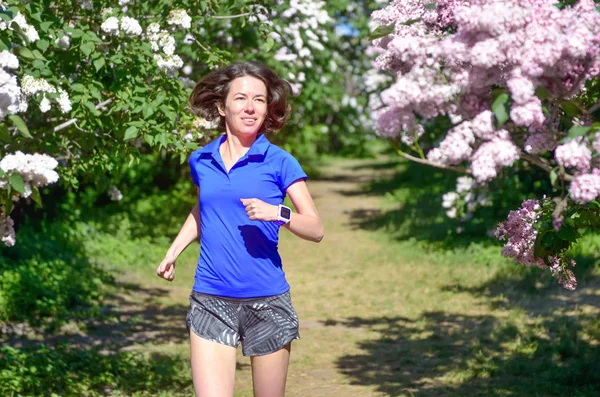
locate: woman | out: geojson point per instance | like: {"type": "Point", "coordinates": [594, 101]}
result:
{"type": "Point", "coordinates": [240, 294]}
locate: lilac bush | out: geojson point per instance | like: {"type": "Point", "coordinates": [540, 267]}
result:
{"type": "Point", "coordinates": [518, 79]}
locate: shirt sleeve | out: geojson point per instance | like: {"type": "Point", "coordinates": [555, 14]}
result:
{"type": "Point", "coordinates": [193, 161]}
{"type": "Point", "coordinates": [290, 171]}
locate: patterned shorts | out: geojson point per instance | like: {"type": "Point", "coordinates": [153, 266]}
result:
{"type": "Point", "coordinates": [263, 325]}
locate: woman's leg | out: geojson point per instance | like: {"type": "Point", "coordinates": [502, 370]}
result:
{"type": "Point", "coordinates": [269, 373]}
{"type": "Point", "coordinates": [213, 367]}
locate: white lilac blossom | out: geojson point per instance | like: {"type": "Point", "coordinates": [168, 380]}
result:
{"type": "Point", "coordinates": [63, 101]}
{"type": "Point", "coordinates": [36, 169]}
{"type": "Point", "coordinates": [131, 26]}
{"type": "Point", "coordinates": [8, 60]}
{"type": "Point", "coordinates": [179, 18]}
{"type": "Point", "coordinates": [203, 124]}
{"type": "Point", "coordinates": [31, 85]}
{"type": "Point", "coordinates": [10, 94]}
{"type": "Point", "coordinates": [160, 39]}
{"type": "Point", "coordinates": [63, 42]}
{"type": "Point", "coordinates": [169, 63]}
{"type": "Point", "coordinates": [111, 26]}
{"type": "Point", "coordinates": [115, 194]}
{"type": "Point", "coordinates": [7, 231]}
{"type": "Point", "coordinates": [44, 104]}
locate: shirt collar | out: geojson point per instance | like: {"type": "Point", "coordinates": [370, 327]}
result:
{"type": "Point", "coordinates": [259, 146]}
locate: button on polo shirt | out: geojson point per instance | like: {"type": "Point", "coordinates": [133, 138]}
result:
{"type": "Point", "coordinates": [238, 256]}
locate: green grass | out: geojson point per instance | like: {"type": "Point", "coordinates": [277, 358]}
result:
{"type": "Point", "coordinates": [392, 303]}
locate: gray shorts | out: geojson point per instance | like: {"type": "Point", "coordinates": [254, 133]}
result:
{"type": "Point", "coordinates": [263, 325]}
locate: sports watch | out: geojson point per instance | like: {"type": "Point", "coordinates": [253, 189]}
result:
{"type": "Point", "coordinates": [284, 214]}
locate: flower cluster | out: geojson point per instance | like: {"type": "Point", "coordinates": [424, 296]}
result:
{"type": "Point", "coordinates": [585, 187]}
{"type": "Point", "coordinates": [10, 92]}
{"type": "Point", "coordinates": [160, 39]}
{"type": "Point", "coordinates": [466, 199]}
{"type": "Point", "coordinates": [305, 27]}
{"type": "Point", "coordinates": [32, 87]}
{"type": "Point", "coordinates": [115, 194]}
{"type": "Point", "coordinates": [448, 55]}
{"type": "Point", "coordinates": [574, 154]}
{"type": "Point", "coordinates": [36, 170]}
{"type": "Point", "coordinates": [112, 26]}
{"type": "Point", "coordinates": [29, 31]}
{"type": "Point", "coordinates": [519, 231]}
{"type": "Point", "coordinates": [180, 18]}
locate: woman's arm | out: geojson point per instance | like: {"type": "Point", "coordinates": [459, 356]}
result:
{"type": "Point", "coordinates": [305, 223]}
{"type": "Point", "coordinates": [190, 231]}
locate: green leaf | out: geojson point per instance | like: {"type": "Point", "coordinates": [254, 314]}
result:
{"type": "Point", "coordinates": [42, 44]}
{"type": "Point", "coordinates": [542, 93]}
{"type": "Point", "coordinates": [268, 45]}
{"type": "Point", "coordinates": [2, 173]}
{"type": "Point", "coordinates": [131, 133]}
{"type": "Point", "coordinates": [45, 25]}
{"type": "Point", "coordinates": [99, 63]}
{"type": "Point", "coordinates": [74, 33]}
{"type": "Point", "coordinates": [577, 130]}
{"type": "Point", "coordinates": [149, 139]}
{"type": "Point", "coordinates": [553, 178]}
{"type": "Point", "coordinates": [35, 195]}
{"type": "Point", "coordinates": [381, 31]}
{"type": "Point", "coordinates": [38, 55]}
{"type": "Point", "coordinates": [499, 108]}
{"type": "Point", "coordinates": [568, 233]}
{"type": "Point", "coordinates": [147, 111]}
{"type": "Point", "coordinates": [570, 108]}
{"type": "Point", "coordinates": [411, 22]}
{"type": "Point", "coordinates": [87, 48]}
{"type": "Point", "coordinates": [26, 53]}
{"type": "Point", "coordinates": [430, 6]}
{"type": "Point", "coordinates": [595, 126]}
{"type": "Point", "coordinates": [4, 133]}
{"type": "Point", "coordinates": [20, 124]}
{"type": "Point", "coordinates": [17, 183]}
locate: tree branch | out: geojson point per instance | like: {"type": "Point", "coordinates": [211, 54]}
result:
{"type": "Point", "coordinates": [230, 16]}
{"type": "Point", "coordinates": [593, 108]}
{"type": "Point", "coordinates": [546, 167]}
{"type": "Point", "coordinates": [74, 120]}
{"type": "Point", "coordinates": [432, 164]}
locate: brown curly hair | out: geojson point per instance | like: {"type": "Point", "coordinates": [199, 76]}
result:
{"type": "Point", "coordinates": [213, 88]}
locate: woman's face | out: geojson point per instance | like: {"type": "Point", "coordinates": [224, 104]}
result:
{"type": "Point", "coordinates": [245, 107]}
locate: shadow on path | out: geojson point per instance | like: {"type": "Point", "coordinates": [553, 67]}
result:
{"type": "Point", "coordinates": [442, 354]}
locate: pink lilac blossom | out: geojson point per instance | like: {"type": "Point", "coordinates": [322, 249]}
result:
{"type": "Point", "coordinates": [520, 234]}
{"type": "Point", "coordinates": [482, 44]}
{"type": "Point", "coordinates": [574, 154]}
{"type": "Point", "coordinates": [564, 275]}
{"type": "Point", "coordinates": [455, 148]}
{"type": "Point", "coordinates": [528, 114]}
{"type": "Point", "coordinates": [491, 157]}
{"type": "Point", "coordinates": [585, 187]}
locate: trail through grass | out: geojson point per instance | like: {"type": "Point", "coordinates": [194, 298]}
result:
{"type": "Point", "coordinates": [382, 315]}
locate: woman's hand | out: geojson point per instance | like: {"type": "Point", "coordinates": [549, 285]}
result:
{"type": "Point", "coordinates": [258, 210]}
{"type": "Point", "coordinates": [166, 269]}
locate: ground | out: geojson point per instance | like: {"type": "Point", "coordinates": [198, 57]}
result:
{"type": "Point", "coordinates": [380, 317]}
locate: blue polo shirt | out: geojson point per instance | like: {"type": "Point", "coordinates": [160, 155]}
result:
{"type": "Point", "coordinates": [238, 256]}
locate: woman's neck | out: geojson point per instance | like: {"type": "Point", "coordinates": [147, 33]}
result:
{"type": "Point", "coordinates": [235, 146]}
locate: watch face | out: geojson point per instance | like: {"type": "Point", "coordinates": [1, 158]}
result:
{"type": "Point", "coordinates": [285, 213]}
